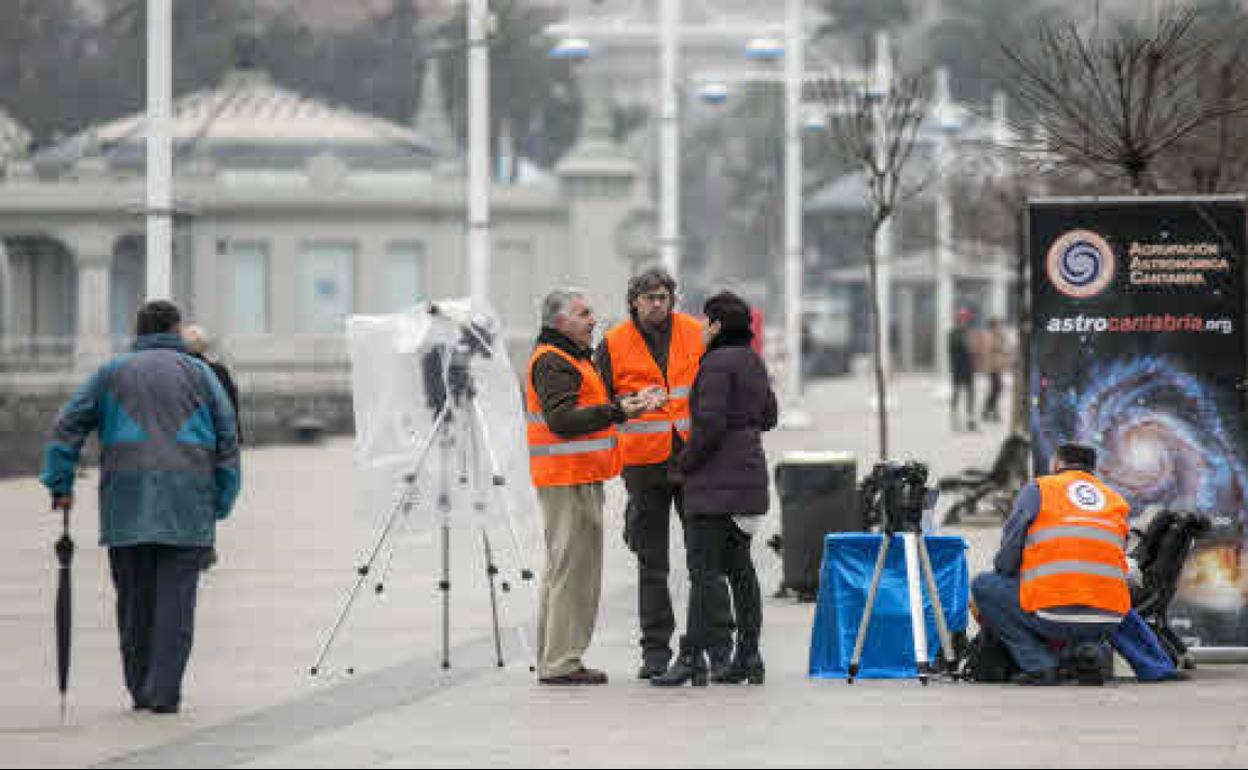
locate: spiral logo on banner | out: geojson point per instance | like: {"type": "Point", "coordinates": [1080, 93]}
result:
{"type": "Point", "coordinates": [1080, 264]}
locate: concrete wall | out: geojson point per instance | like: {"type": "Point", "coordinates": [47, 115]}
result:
{"type": "Point", "coordinates": [28, 409]}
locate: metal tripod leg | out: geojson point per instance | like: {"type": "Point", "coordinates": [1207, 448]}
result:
{"type": "Point", "coordinates": [942, 627]}
{"type": "Point", "coordinates": [473, 469]}
{"type": "Point", "coordinates": [492, 571]}
{"type": "Point", "coordinates": [498, 480]}
{"type": "Point", "coordinates": [918, 624]}
{"type": "Point", "coordinates": [402, 506]}
{"type": "Point", "coordinates": [444, 585]}
{"type": "Point", "coordinates": [861, 637]}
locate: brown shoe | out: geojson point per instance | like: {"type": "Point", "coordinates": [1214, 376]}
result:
{"type": "Point", "coordinates": [580, 676]}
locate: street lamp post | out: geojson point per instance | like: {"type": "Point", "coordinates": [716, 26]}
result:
{"type": "Point", "coordinates": [881, 87]}
{"type": "Point", "coordinates": [159, 148]}
{"type": "Point", "coordinates": [479, 153]}
{"type": "Point", "coordinates": [794, 71]}
{"type": "Point", "coordinates": [669, 32]}
{"type": "Point", "coordinates": [669, 137]}
{"type": "Point", "coordinates": [945, 127]}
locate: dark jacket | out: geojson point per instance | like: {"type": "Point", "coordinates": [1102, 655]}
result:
{"type": "Point", "coordinates": [168, 453]}
{"type": "Point", "coordinates": [732, 404]}
{"type": "Point", "coordinates": [557, 385]}
{"type": "Point", "coordinates": [961, 365]}
{"type": "Point", "coordinates": [231, 390]}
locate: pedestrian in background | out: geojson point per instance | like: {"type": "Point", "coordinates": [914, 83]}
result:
{"type": "Point", "coordinates": [198, 344]}
{"type": "Point", "coordinates": [962, 370]}
{"type": "Point", "coordinates": [726, 492]}
{"type": "Point", "coordinates": [998, 359]}
{"type": "Point", "coordinates": [168, 473]}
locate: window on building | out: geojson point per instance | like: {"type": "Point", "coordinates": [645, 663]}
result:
{"type": "Point", "coordinates": [324, 286]}
{"type": "Point", "coordinates": [248, 301]}
{"type": "Point", "coordinates": [405, 276]}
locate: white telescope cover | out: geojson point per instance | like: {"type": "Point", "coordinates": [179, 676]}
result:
{"type": "Point", "coordinates": [394, 419]}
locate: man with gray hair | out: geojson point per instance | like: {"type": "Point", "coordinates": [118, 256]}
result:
{"type": "Point", "coordinates": [570, 424]}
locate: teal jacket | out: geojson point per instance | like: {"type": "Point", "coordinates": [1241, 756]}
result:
{"type": "Point", "coordinates": [168, 446]}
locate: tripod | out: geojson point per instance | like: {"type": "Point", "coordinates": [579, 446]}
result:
{"type": "Point", "coordinates": [916, 559]}
{"type": "Point", "coordinates": [464, 444]}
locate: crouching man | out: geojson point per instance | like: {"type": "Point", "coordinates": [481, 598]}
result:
{"type": "Point", "coordinates": [1061, 571]}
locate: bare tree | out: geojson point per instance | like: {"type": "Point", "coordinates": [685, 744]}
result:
{"type": "Point", "coordinates": [1214, 157]}
{"type": "Point", "coordinates": [876, 129]}
{"type": "Point", "coordinates": [1114, 105]}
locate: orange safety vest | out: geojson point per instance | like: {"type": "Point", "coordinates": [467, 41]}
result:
{"type": "Point", "coordinates": [1075, 552]}
{"type": "Point", "coordinates": [647, 438]}
{"type": "Point", "coordinates": [558, 462]}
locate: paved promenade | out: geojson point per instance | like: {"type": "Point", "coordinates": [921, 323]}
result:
{"type": "Point", "coordinates": [287, 560]}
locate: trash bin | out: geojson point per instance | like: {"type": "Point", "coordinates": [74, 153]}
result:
{"type": "Point", "coordinates": [818, 495]}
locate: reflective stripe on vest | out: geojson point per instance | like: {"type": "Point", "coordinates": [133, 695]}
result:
{"type": "Point", "coordinates": [1073, 568]}
{"type": "Point", "coordinates": [646, 439]}
{"type": "Point", "coordinates": [1088, 533]}
{"type": "Point", "coordinates": [644, 426]}
{"type": "Point", "coordinates": [1074, 554]}
{"type": "Point", "coordinates": [555, 461]}
{"type": "Point", "coordinates": [572, 447]}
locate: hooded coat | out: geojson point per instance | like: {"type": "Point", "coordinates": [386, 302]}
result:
{"type": "Point", "coordinates": [732, 403]}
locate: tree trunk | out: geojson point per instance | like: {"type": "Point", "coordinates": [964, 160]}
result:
{"type": "Point", "coordinates": [877, 327]}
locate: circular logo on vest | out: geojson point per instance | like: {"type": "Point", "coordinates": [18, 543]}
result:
{"type": "Point", "coordinates": [1085, 496]}
{"type": "Point", "coordinates": [1080, 264]}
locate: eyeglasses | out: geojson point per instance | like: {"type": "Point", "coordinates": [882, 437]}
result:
{"type": "Point", "coordinates": [657, 297]}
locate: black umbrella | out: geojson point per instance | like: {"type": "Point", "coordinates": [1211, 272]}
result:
{"type": "Point", "coordinates": [64, 556]}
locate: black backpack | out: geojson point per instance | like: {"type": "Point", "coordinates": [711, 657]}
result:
{"type": "Point", "coordinates": [1163, 547]}
{"type": "Point", "coordinates": [987, 660]}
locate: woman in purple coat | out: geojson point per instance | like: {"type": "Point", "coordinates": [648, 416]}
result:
{"type": "Point", "coordinates": [725, 490]}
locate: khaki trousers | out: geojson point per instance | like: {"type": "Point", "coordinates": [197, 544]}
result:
{"type": "Point", "coordinates": [572, 518]}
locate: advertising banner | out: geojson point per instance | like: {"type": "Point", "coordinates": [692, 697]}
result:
{"type": "Point", "coordinates": [1138, 350]}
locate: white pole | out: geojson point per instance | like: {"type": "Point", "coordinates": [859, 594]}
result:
{"type": "Point", "coordinates": [669, 138]}
{"type": "Point", "coordinates": [944, 231]}
{"type": "Point", "coordinates": [159, 149]}
{"type": "Point", "coordinates": [1001, 170]}
{"type": "Point", "coordinates": [884, 236]}
{"type": "Point", "coordinates": [794, 69]}
{"type": "Point", "coordinates": [478, 154]}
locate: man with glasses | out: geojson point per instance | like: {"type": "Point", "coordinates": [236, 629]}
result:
{"type": "Point", "coordinates": [655, 354]}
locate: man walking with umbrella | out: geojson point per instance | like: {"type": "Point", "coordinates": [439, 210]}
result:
{"type": "Point", "coordinates": [168, 472]}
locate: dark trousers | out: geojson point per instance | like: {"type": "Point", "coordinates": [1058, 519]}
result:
{"type": "Point", "coordinates": [963, 384]}
{"type": "Point", "coordinates": [718, 549]}
{"type": "Point", "coordinates": [647, 524]}
{"type": "Point", "coordinates": [1025, 634]}
{"type": "Point", "coordinates": [156, 587]}
{"type": "Point", "coordinates": [994, 393]}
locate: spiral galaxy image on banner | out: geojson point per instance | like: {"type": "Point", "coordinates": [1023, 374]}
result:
{"type": "Point", "coordinates": [1161, 434]}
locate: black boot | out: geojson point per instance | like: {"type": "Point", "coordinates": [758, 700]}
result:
{"type": "Point", "coordinates": [720, 661]}
{"type": "Point", "coordinates": [689, 667]}
{"type": "Point", "coordinates": [747, 666]}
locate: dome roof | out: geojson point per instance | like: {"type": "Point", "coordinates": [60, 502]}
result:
{"type": "Point", "coordinates": [249, 121]}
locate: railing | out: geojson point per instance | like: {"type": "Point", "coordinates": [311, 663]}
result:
{"type": "Point", "coordinates": [36, 354]}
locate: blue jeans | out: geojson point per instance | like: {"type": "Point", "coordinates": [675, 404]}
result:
{"type": "Point", "coordinates": [1025, 635]}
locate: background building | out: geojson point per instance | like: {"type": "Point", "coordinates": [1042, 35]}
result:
{"type": "Point", "coordinates": [290, 214]}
